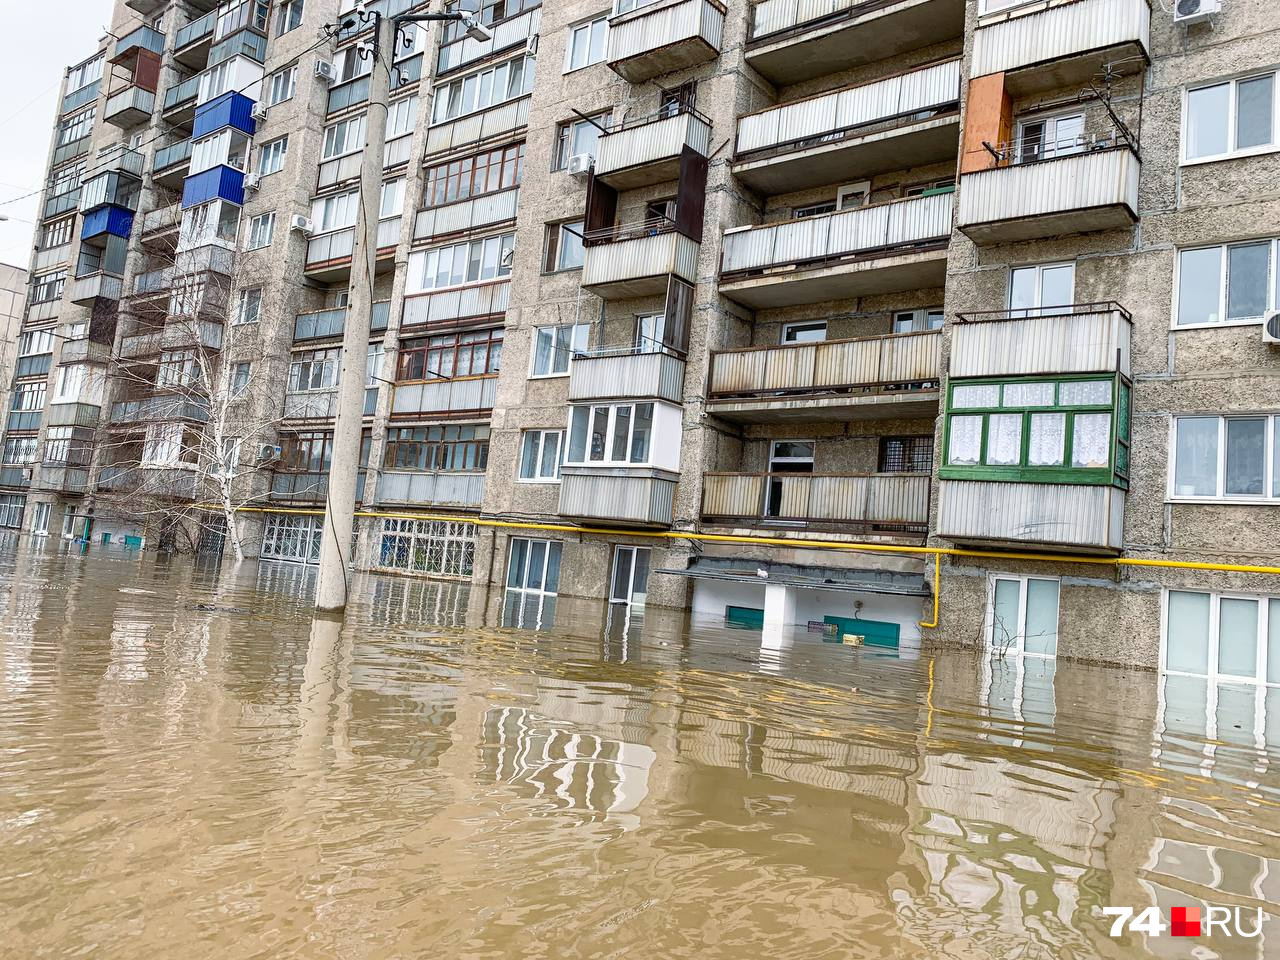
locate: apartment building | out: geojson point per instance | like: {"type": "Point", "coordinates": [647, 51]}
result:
{"type": "Point", "coordinates": [13, 298]}
{"type": "Point", "coordinates": [906, 317]}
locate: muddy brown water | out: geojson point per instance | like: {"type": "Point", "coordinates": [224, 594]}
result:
{"type": "Point", "coordinates": [190, 768]}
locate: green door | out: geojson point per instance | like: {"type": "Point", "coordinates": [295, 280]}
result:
{"type": "Point", "coordinates": [879, 633]}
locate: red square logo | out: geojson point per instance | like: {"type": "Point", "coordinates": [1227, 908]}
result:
{"type": "Point", "coordinates": [1184, 921]}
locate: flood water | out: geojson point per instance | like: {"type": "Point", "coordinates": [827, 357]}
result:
{"type": "Point", "coordinates": [177, 781]}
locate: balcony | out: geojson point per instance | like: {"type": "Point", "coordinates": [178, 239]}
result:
{"type": "Point", "coordinates": [626, 373]}
{"type": "Point", "coordinates": [618, 496]}
{"type": "Point", "coordinates": [475, 127]}
{"type": "Point", "coordinates": [885, 248]}
{"type": "Point", "coordinates": [74, 414]}
{"type": "Point", "coordinates": [311, 405]}
{"type": "Point", "coordinates": [15, 477]}
{"type": "Point", "coordinates": [84, 350]}
{"type": "Point", "coordinates": [191, 45]}
{"type": "Point", "coordinates": [1080, 338]}
{"type": "Point", "coordinates": [894, 376]}
{"type": "Point", "coordinates": [75, 99]}
{"type": "Point", "coordinates": [891, 503]}
{"type": "Point", "coordinates": [161, 220]}
{"type": "Point", "coordinates": [162, 408]}
{"type": "Point", "coordinates": [1078, 192]}
{"type": "Point", "coordinates": [180, 103]}
{"type": "Point", "coordinates": [312, 487]}
{"type": "Point", "coordinates": [852, 133]}
{"type": "Point", "coordinates": [664, 36]}
{"type": "Point", "coordinates": [24, 420]}
{"type": "Point", "coordinates": [329, 255]}
{"type": "Point", "coordinates": [50, 257]}
{"type": "Point", "coordinates": [171, 164]}
{"type": "Point", "coordinates": [795, 40]}
{"type": "Point", "coordinates": [647, 150]}
{"type": "Point", "coordinates": [142, 38]}
{"type": "Point", "coordinates": [117, 159]}
{"type": "Point", "coordinates": [463, 490]}
{"type": "Point", "coordinates": [70, 150]}
{"type": "Point", "coordinates": [1066, 516]}
{"type": "Point", "coordinates": [33, 366]}
{"type": "Point", "coordinates": [509, 33]}
{"type": "Point", "coordinates": [322, 324]}
{"type": "Point", "coordinates": [63, 479]}
{"type": "Point", "coordinates": [62, 202]}
{"type": "Point", "coordinates": [1040, 47]}
{"type": "Point", "coordinates": [447, 308]}
{"type": "Point", "coordinates": [170, 482]}
{"type": "Point", "coordinates": [483, 211]}
{"type": "Point", "coordinates": [129, 107]}
{"type": "Point", "coordinates": [95, 286]}
{"type": "Point", "coordinates": [473, 395]}
{"type": "Point", "coordinates": [636, 260]}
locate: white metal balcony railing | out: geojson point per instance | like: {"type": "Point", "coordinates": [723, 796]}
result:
{"type": "Point", "coordinates": [663, 36]}
{"type": "Point", "coordinates": [458, 303]}
{"type": "Point", "coordinates": [1079, 338]}
{"type": "Point", "coordinates": [903, 361]}
{"type": "Point", "coordinates": [1068, 514]}
{"type": "Point", "coordinates": [1021, 37]}
{"type": "Point", "coordinates": [339, 244]}
{"type": "Point", "coordinates": [481, 211]}
{"type": "Point", "coordinates": [625, 373]}
{"type": "Point", "coordinates": [829, 117]}
{"type": "Point", "coordinates": [445, 396]}
{"type": "Point", "coordinates": [641, 496]}
{"type": "Point", "coordinates": [436, 489]}
{"type": "Point", "coordinates": [482, 125]}
{"type": "Point", "coordinates": [899, 501]}
{"type": "Point", "coordinates": [653, 140]}
{"type": "Point", "coordinates": [812, 240]}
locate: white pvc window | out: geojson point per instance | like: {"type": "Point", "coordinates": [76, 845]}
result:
{"type": "Point", "coordinates": [1022, 616]}
{"type": "Point", "coordinates": [610, 434]}
{"type": "Point", "coordinates": [487, 88]}
{"type": "Point", "coordinates": [916, 321]}
{"type": "Point", "coordinates": [336, 212]}
{"type": "Point", "coordinates": [1043, 138]}
{"type": "Point", "coordinates": [401, 116]}
{"type": "Point", "coordinates": [1228, 283]}
{"type": "Point", "coordinates": [271, 156]}
{"type": "Point", "coordinates": [471, 261]}
{"type": "Point", "coordinates": [586, 44]}
{"type": "Point", "coordinates": [343, 137]}
{"type": "Point", "coordinates": [391, 199]}
{"type": "Point", "coordinates": [34, 342]}
{"type": "Point", "coordinates": [1221, 636]}
{"type": "Point", "coordinates": [1225, 458]}
{"type": "Point", "coordinates": [630, 581]}
{"type": "Point", "coordinates": [540, 456]}
{"type": "Point", "coordinates": [1231, 118]}
{"type": "Point", "coordinates": [533, 565]}
{"type": "Point", "coordinates": [282, 85]}
{"type": "Point", "coordinates": [261, 230]}
{"type": "Point", "coordinates": [1041, 290]}
{"type": "Point", "coordinates": [553, 347]}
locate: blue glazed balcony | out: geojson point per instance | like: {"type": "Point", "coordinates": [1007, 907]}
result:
{"type": "Point", "coordinates": [229, 110]}
{"type": "Point", "coordinates": [107, 221]}
{"type": "Point", "coordinates": [218, 183]}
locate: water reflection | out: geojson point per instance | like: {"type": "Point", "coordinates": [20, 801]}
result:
{"type": "Point", "coordinates": [191, 767]}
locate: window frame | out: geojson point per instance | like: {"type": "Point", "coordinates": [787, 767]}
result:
{"type": "Point", "coordinates": [1233, 109]}
{"type": "Point", "coordinates": [289, 76]}
{"type": "Point", "coordinates": [989, 620]}
{"type": "Point", "coordinates": [576, 331]}
{"type": "Point", "coordinates": [611, 434]}
{"type": "Point", "coordinates": [1213, 644]}
{"type": "Point", "coordinates": [424, 284]}
{"type": "Point", "coordinates": [440, 449]}
{"type": "Point", "coordinates": [263, 225]}
{"type": "Point", "coordinates": [472, 170]}
{"type": "Point", "coordinates": [1039, 309]}
{"type": "Point", "coordinates": [276, 149]}
{"type": "Point", "coordinates": [460, 342]}
{"type": "Point", "coordinates": [588, 26]}
{"type": "Point", "coordinates": [1271, 470]}
{"type": "Point", "coordinates": [553, 246]}
{"type": "Point", "coordinates": [548, 548]}
{"type": "Point", "coordinates": [289, 16]}
{"type": "Point", "coordinates": [1224, 284]}
{"type": "Point", "coordinates": [538, 452]}
{"type": "Point", "coordinates": [562, 146]}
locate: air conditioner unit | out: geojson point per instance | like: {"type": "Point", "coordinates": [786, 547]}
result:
{"type": "Point", "coordinates": [1195, 11]}
{"type": "Point", "coordinates": [325, 71]}
{"type": "Point", "coordinates": [531, 45]}
{"type": "Point", "coordinates": [580, 164]}
{"type": "Point", "coordinates": [259, 111]}
{"type": "Point", "coordinates": [251, 181]}
{"type": "Point", "coordinates": [268, 453]}
{"type": "Point", "coordinates": [1271, 327]}
{"type": "Point", "coordinates": [302, 224]}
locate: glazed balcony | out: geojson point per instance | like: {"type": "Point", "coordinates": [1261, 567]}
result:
{"type": "Point", "coordinates": [894, 376]}
{"type": "Point", "coordinates": [129, 107]}
{"type": "Point", "coordinates": [329, 254]}
{"type": "Point", "coordinates": [15, 477]}
{"type": "Point", "coordinates": [456, 305]}
{"type": "Point", "coordinates": [474, 127]}
{"type": "Point", "coordinates": [636, 260]}
{"type": "Point", "coordinates": [509, 33]}
{"type": "Point", "coordinates": [1068, 516]}
{"type": "Point", "coordinates": [74, 414]}
{"type": "Point", "coordinates": [626, 373]}
{"type": "Point", "coordinates": [889, 503]}
{"type": "Point", "coordinates": [884, 248]}
{"type": "Point", "coordinates": [470, 395]}
{"type": "Point", "coordinates": [664, 36]}
{"type": "Point", "coordinates": [486, 211]}
{"type": "Point", "coordinates": [647, 150]}
{"type": "Point", "coordinates": [795, 40]}
{"type": "Point", "coordinates": [134, 477]}
{"type": "Point", "coordinates": [322, 324]}
{"type": "Point", "coordinates": [852, 133]}
{"type": "Point", "coordinates": [618, 496]}
{"type": "Point", "coordinates": [155, 409]}
{"type": "Point", "coordinates": [1079, 338]}
{"type": "Point", "coordinates": [1070, 192]}
{"type": "Point", "coordinates": [457, 490]}
{"type": "Point", "coordinates": [1048, 46]}
{"type": "Point", "coordinates": [50, 257]}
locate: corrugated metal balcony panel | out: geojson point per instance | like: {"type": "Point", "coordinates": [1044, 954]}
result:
{"type": "Point", "coordinates": [172, 155]}
{"type": "Point", "coordinates": [84, 350]}
{"type": "Point", "coordinates": [162, 218]}
{"type": "Point", "coordinates": [432, 489]}
{"type": "Point", "coordinates": [76, 99]}
{"type": "Point", "coordinates": [1080, 193]}
{"type": "Point", "coordinates": [330, 246]}
{"type": "Point", "coordinates": [444, 396]}
{"type": "Point", "coordinates": [195, 31]}
{"type": "Point", "coordinates": [891, 500]}
{"type": "Point", "coordinates": [63, 479]}
{"type": "Point", "coordinates": [48, 310]}
{"type": "Point", "coordinates": [1071, 516]}
{"type": "Point", "coordinates": [313, 405]}
{"type": "Point", "coordinates": [1091, 341]}
{"type": "Point", "coordinates": [627, 375]}
{"type": "Point", "coordinates": [1049, 35]}
{"type": "Point", "coordinates": [397, 151]}
{"type": "Point", "coordinates": [475, 127]}
{"type": "Point", "coordinates": [621, 496]}
{"type": "Point", "coordinates": [639, 266]}
{"type": "Point", "coordinates": [217, 183]}
{"type": "Point", "coordinates": [388, 233]}
{"type": "Point", "coordinates": [481, 211]}
{"type": "Point", "coordinates": [183, 93]}
{"type": "Point", "coordinates": [52, 256]}
{"type": "Point", "coordinates": [85, 290]}
{"type": "Point", "coordinates": [321, 323]}
{"type": "Point", "coordinates": [648, 153]}
{"type": "Point", "coordinates": [24, 420]}
{"type": "Point", "coordinates": [74, 414]}
{"type": "Point", "coordinates": [507, 34]}
{"type": "Point", "coordinates": [460, 303]}
{"type": "Point", "coordinates": [338, 169]}
{"type": "Point", "coordinates": [664, 36]}
{"type": "Point", "coordinates": [129, 108]}
{"type": "Point", "coordinates": [117, 159]}
{"type": "Point", "coordinates": [144, 38]}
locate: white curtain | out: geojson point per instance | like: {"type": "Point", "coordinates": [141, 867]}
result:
{"type": "Point", "coordinates": [1048, 434]}
{"type": "Point", "coordinates": [1091, 440]}
{"type": "Point", "coordinates": [1004, 439]}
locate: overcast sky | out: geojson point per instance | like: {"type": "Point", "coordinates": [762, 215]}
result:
{"type": "Point", "coordinates": [39, 39]}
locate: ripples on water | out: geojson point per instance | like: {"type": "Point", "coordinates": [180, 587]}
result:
{"type": "Point", "coordinates": [191, 783]}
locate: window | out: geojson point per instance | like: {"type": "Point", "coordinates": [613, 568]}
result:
{"type": "Point", "coordinates": [810, 332]}
{"type": "Point", "coordinates": [57, 233]}
{"type": "Point", "coordinates": [554, 346]}
{"type": "Point", "coordinates": [314, 370]}
{"type": "Point", "coordinates": [48, 286]}
{"type": "Point", "coordinates": [906, 454]}
{"type": "Point", "coordinates": [578, 136]}
{"type": "Point", "coordinates": [294, 537]}
{"type": "Point", "coordinates": [472, 176]}
{"type": "Point", "coordinates": [540, 455]}
{"type": "Point", "coordinates": [249, 309]}
{"type": "Point", "coordinates": [288, 16]}
{"type": "Point", "coordinates": [261, 229]}
{"type": "Point", "coordinates": [216, 81]}
{"type": "Point", "coordinates": [1232, 283]}
{"type": "Point", "coordinates": [223, 462]}
{"type": "Point", "coordinates": [391, 199]}
{"type": "Point", "coordinates": [345, 136]}
{"type": "Point", "coordinates": [240, 377]}
{"type": "Point", "coordinates": [813, 209]}
{"type": "Point", "coordinates": [373, 360]}
{"type": "Point", "coordinates": [1038, 430]}
{"type": "Point", "coordinates": [1040, 290]}
{"type": "Point", "coordinates": [77, 383]}
{"type": "Point", "coordinates": [401, 116]}
{"type": "Point", "coordinates": [487, 88]}
{"type": "Point", "coordinates": [471, 354]}
{"type": "Point", "coordinates": [450, 448]}
{"type": "Point", "coordinates": [1231, 118]}
{"type": "Point", "coordinates": [177, 368]}
{"type": "Point", "coordinates": [533, 565]}
{"type": "Point", "coordinates": [40, 519]}
{"type": "Point", "coordinates": [34, 342]}
{"type": "Point", "coordinates": [66, 179]}
{"type": "Point", "coordinates": [62, 447]}
{"type": "Point", "coordinates": [19, 450]}
{"type": "Point", "coordinates": [336, 212]}
{"type": "Point", "coordinates": [1222, 636]}
{"type": "Point", "coordinates": [1047, 137]}
{"type": "Point", "coordinates": [630, 583]}
{"type": "Point", "coordinates": [171, 444]}
{"type": "Point", "coordinates": [349, 64]}
{"type": "Point", "coordinates": [435, 547]}
{"type": "Point", "coordinates": [28, 396]}
{"type": "Point", "coordinates": [1023, 616]}
{"type": "Point", "coordinates": [207, 223]}
{"type": "Point", "coordinates": [916, 321]}
{"type": "Point", "coordinates": [75, 127]}
{"type": "Point", "coordinates": [11, 508]}
{"type": "Point", "coordinates": [271, 156]}
{"type": "Point", "coordinates": [1225, 458]}
{"type": "Point", "coordinates": [470, 261]}
{"type": "Point", "coordinates": [586, 44]}
{"type": "Point", "coordinates": [617, 434]}
{"type": "Point", "coordinates": [306, 452]}
{"type": "Point", "coordinates": [564, 249]}
{"type": "Point", "coordinates": [281, 85]}
{"type": "Point", "coordinates": [86, 73]}
{"type": "Point", "coordinates": [853, 195]}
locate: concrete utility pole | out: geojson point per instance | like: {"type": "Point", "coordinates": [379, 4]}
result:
{"type": "Point", "coordinates": [344, 469]}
